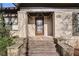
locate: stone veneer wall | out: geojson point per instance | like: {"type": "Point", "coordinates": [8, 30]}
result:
{"type": "Point", "coordinates": [31, 30]}
{"type": "Point", "coordinates": [63, 28]}
{"type": "Point", "coordinates": [47, 26]}
{"type": "Point", "coordinates": [14, 33]}
{"type": "Point", "coordinates": [63, 23]}
{"type": "Point", "coordinates": [22, 24]}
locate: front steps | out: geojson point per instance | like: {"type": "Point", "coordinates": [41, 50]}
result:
{"type": "Point", "coordinates": [41, 46]}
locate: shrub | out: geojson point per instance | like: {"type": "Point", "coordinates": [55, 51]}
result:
{"type": "Point", "coordinates": [5, 39]}
{"type": "Point", "coordinates": [4, 43]}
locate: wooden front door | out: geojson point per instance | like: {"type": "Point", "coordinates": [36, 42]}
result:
{"type": "Point", "coordinates": [39, 23]}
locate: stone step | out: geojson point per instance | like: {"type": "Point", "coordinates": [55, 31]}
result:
{"type": "Point", "coordinates": [39, 47]}
{"type": "Point", "coordinates": [43, 49]}
{"type": "Point", "coordinates": [41, 42]}
{"type": "Point", "coordinates": [32, 40]}
{"type": "Point", "coordinates": [45, 54]}
{"type": "Point", "coordinates": [41, 38]}
{"type": "Point", "coordinates": [42, 53]}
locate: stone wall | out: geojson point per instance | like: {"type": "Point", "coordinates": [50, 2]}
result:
{"type": "Point", "coordinates": [48, 28]}
{"type": "Point", "coordinates": [14, 33]}
{"type": "Point", "coordinates": [63, 24]}
{"type": "Point", "coordinates": [31, 30]}
{"type": "Point", "coordinates": [22, 24]}
{"type": "Point", "coordinates": [62, 19]}
{"type": "Point", "coordinates": [17, 49]}
{"type": "Point", "coordinates": [64, 28]}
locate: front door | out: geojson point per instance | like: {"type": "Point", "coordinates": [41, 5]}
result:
{"type": "Point", "coordinates": [39, 23]}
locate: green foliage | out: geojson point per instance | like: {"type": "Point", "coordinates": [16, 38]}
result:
{"type": "Point", "coordinates": [4, 43]}
{"type": "Point", "coordinates": [5, 39]}
{"type": "Point", "coordinates": [2, 26]}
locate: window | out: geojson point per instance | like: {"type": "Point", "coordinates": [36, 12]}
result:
{"type": "Point", "coordinates": [7, 23]}
{"type": "Point", "coordinates": [76, 23]}
{"type": "Point", "coordinates": [11, 23]}
{"type": "Point", "coordinates": [77, 18]}
{"type": "Point", "coordinates": [39, 25]}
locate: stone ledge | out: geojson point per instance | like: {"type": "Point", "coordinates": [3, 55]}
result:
{"type": "Point", "coordinates": [67, 50]}
{"type": "Point", "coordinates": [41, 38]}
{"type": "Point", "coordinates": [17, 45]}
{"type": "Point", "coordinates": [63, 48]}
{"type": "Point", "coordinates": [17, 49]}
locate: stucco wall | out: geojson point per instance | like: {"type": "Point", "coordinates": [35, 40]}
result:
{"type": "Point", "coordinates": [49, 21]}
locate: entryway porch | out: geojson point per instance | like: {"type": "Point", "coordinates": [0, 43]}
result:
{"type": "Point", "coordinates": [41, 44]}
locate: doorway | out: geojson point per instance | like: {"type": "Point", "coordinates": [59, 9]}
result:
{"type": "Point", "coordinates": [39, 25]}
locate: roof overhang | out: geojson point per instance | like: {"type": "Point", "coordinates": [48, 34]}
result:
{"type": "Point", "coordinates": [55, 5]}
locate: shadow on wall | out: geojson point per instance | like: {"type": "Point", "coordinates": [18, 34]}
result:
{"type": "Point", "coordinates": [58, 48]}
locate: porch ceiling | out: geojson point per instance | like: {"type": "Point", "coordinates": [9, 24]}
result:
{"type": "Point", "coordinates": [40, 13]}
